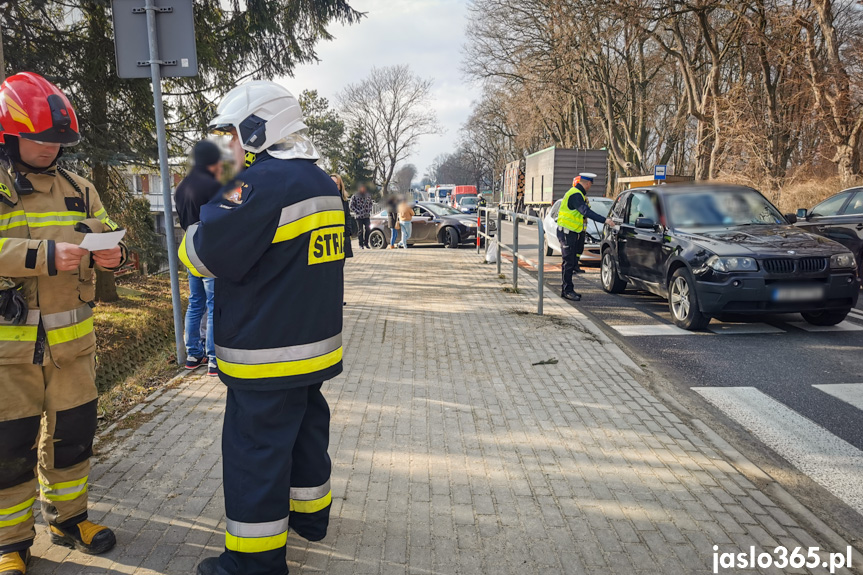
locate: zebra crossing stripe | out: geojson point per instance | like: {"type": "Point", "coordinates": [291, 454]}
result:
{"type": "Point", "coordinates": [827, 459]}
{"type": "Point", "coordinates": [856, 313]}
{"type": "Point", "coordinates": [844, 326]}
{"type": "Point", "coordinates": [651, 329]}
{"type": "Point", "coordinates": [850, 393]}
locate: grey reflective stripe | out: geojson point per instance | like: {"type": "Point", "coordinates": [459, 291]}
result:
{"type": "Point", "coordinates": [18, 514]}
{"type": "Point", "coordinates": [310, 493]}
{"type": "Point", "coordinates": [193, 255]}
{"type": "Point", "coordinates": [64, 491]}
{"type": "Point", "coordinates": [308, 207]}
{"type": "Point", "coordinates": [37, 218]}
{"type": "Point", "coordinates": [64, 318]}
{"type": "Point", "coordinates": [268, 529]}
{"type": "Point", "coordinates": [32, 318]}
{"type": "Point", "coordinates": [279, 354]}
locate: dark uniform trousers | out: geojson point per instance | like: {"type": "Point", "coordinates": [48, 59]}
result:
{"type": "Point", "coordinates": [276, 475]}
{"type": "Point", "coordinates": [571, 247]}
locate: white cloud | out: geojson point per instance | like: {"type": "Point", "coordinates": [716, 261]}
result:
{"type": "Point", "coordinates": [426, 34]}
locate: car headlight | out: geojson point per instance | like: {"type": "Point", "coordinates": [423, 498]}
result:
{"type": "Point", "coordinates": [733, 264]}
{"type": "Point", "coordinates": [471, 224]}
{"type": "Point", "coordinates": [845, 260]}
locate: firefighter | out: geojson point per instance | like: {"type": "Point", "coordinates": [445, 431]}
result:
{"type": "Point", "coordinates": [47, 343]}
{"type": "Point", "coordinates": [570, 230]}
{"type": "Point", "coordinates": [274, 241]}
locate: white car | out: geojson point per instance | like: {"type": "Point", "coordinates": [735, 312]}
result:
{"type": "Point", "coordinates": [594, 230]}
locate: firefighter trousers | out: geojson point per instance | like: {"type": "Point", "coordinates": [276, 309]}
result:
{"type": "Point", "coordinates": [47, 424]}
{"type": "Point", "coordinates": [276, 475]}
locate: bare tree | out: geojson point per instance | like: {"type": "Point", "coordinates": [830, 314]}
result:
{"type": "Point", "coordinates": [404, 177]}
{"type": "Point", "coordinates": [392, 107]}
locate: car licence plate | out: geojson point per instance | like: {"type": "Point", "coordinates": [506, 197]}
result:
{"type": "Point", "coordinates": [801, 293]}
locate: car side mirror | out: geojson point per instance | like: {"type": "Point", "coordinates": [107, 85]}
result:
{"type": "Point", "coordinates": [645, 224]}
{"type": "Point", "coordinates": [792, 218]}
{"type": "Point", "coordinates": [802, 214]}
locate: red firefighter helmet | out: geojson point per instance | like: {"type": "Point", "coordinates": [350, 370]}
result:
{"type": "Point", "coordinates": [33, 108]}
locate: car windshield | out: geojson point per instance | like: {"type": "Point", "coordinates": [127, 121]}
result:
{"type": "Point", "coordinates": [601, 206]}
{"type": "Point", "coordinates": [468, 201]}
{"type": "Point", "coordinates": [442, 210]}
{"type": "Point", "coordinates": [720, 208]}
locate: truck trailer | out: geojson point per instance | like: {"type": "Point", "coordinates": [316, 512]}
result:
{"type": "Point", "coordinates": [531, 185]}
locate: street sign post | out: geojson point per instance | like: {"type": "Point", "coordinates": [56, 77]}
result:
{"type": "Point", "coordinates": [659, 172]}
{"type": "Point", "coordinates": [139, 39]}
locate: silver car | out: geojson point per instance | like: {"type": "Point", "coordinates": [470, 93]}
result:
{"type": "Point", "coordinates": [591, 253]}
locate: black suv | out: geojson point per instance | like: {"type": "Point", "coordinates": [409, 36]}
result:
{"type": "Point", "coordinates": [715, 250]}
{"type": "Point", "coordinates": [839, 218]}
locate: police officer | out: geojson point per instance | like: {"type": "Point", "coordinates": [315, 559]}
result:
{"type": "Point", "coordinates": [47, 344]}
{"type": "Point", "coordinates": [570, 230]}
{"type": "Point", "coordinates": [274, 241]}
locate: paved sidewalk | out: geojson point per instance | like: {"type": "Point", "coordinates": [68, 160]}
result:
{"type": "Point", "coordinates": [453, 453]}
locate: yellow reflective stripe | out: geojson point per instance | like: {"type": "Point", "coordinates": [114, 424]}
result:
{"type": "Point", "coordinates": [280, 369]}
{"type": "Point", "coordinates": [65, 484]}
{"type": "Point", "coordinates": [255, 544]}
{"type": "Point", "coordinates": [189, 256]}
{"type": "Point", "coordinates": [2, 241]}
{"type": "Point", "coordinates": [19, 507]}
{"type": "Point", "coordinates": [43, 215]}
{"type": "Point", "coordinates": [309, 223]}
{"type": "Point", "coordinates": [18, 333]}
{"type": "Point", "coordinates": [65, 491]}
{"type": "Point", "coordinates": [69, 333]}
{"type": "Point", "coordinates": [13, 220]}
{"type": "Point", "coordinates": [17, 520]}
{"type": "Point", "coordinates": [100, 213]}
{"type": "Point", "coordinates": [312, 506]}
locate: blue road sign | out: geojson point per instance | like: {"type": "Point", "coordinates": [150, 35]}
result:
{"type": "Point", "coordinates": [659, 172]}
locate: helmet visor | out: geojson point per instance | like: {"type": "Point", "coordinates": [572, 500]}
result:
{"type": "Point", "coordinates": [65, 137]}
{"type": "Point", "coordinates": [222, 129]}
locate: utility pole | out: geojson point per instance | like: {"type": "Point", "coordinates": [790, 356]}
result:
{"type": "Point", "coordinates": [2, 60]}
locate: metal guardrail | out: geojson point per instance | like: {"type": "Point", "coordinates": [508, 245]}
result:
{"type": "Point", "coordinates": [516, 217]}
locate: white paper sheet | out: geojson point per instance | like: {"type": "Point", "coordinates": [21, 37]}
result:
{"type": "Point", "coordinates": [106, 241]}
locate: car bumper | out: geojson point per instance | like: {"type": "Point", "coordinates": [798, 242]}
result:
{"type": "Point", "coordinates": [592, 254]}
{"type": "Point", "coordinates": [744, 294]}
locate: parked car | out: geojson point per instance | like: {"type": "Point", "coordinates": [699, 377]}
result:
{"type": "Point", "coordinates": [591, 255]}
{"type": "Point", "coordinates": [715, 250]}
{"type": "Point", "coordinates": [433, 223]}
{"type": "Point", "coordinates": [839, 218]}
{"type": "Point", "coordinates": [468, 204]}
{"type": "Point", "coordinates": [459, 193]}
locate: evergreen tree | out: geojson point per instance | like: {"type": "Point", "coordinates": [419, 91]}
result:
{"type": "Point", "coordinates": [71, 43]}
{"type": "Point", "coordinates": [326, 128]}
{"type": "Point", "coordinates": [355, 163]}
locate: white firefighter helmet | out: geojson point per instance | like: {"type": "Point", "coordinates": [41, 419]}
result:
{"type": "Point", "coordinates": [263, 113]}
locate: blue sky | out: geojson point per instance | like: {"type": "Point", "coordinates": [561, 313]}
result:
{"type": "Point", "coordinates": [427, 34]}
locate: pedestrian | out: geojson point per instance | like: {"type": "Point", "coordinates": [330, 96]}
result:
{"type": "Point", "coordinates": [406, 214]}
{"type": "Point", "coordinates": [48, 409]}
{"type": "Point", "coordinates": [198, 188]}
{"type": "Point", "coordinates": [274, 241]}
{"type": "Point", "coordinates": [393, 220]}
{"type": "Point", "coordinates": [570, 230]}
{"type": "Point", "coordinates": [349, 229]}
{"type": "Point", "coordinates": [361, 205]}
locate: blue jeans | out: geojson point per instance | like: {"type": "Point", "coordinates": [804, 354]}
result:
{"type": "Point", "coordinates": [407, 228]}
{"type": "Point", "coordinates": [394, 234]}
{"type": "Point", "coordinates": [200, 299]}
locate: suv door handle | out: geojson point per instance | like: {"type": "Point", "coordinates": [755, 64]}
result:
{"type": "Point", "coordinates": [860, 226]}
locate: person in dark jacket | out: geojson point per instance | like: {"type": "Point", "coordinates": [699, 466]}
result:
{"type": "Point", "coordinates": [274, 240]}
{"type": "Point", "coordinates": [393, 220]}
{"type": "Point", "coordinates": [361, 205]}
{"type": "Point", "coordinates": [349, 228]}
{"type": "Point", "coordinates": [197, 189]}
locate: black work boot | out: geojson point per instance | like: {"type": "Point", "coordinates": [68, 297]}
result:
{"type": "Point", "coordinates": [14, 562]}
{"type": "Point", "coordinates": [571, 295]}
{"type": "Point", "coordinates": [210, 566]}
{"type": "Point", "coordinates": [87, 537]}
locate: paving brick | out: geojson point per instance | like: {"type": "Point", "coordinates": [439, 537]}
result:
{"type": "Point", "coordinates": [452, 452]}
